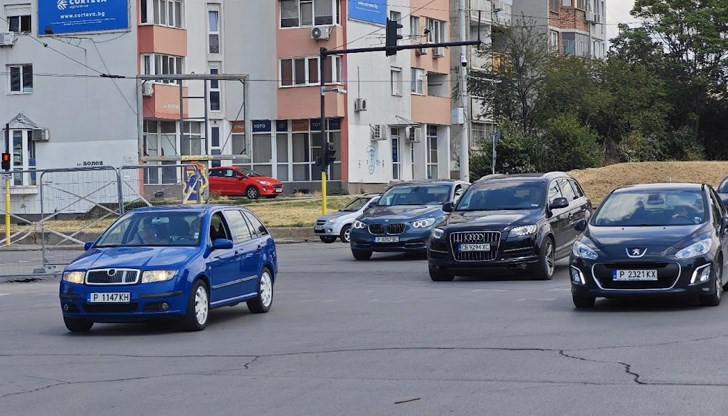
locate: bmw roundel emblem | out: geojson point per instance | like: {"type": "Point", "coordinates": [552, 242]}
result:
{"type": "Point", "coordinates": [111, 272]}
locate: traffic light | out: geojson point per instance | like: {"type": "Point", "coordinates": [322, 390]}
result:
{"type": "Point", "coordinates": [393, 36]}
{"type": "Point", "coordinates": [6, 162]}
{"type": "Point", "coordinates": [330, 153]}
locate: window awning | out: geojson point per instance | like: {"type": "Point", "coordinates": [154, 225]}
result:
{"type": "Point", "coordinates": [399, 121]}
{"type": "Point", "coordinates": [21, 121]}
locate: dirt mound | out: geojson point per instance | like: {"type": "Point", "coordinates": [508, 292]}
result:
{"type": "Point", "coordinates": [598, 182]}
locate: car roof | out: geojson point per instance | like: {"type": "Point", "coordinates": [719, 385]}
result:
{"type": "Point", "coordinates": [430, 182]}
{"type": "Point", "coordinates": [662, 186]}
{"type": "Point", "coordinates": [523, 176]}
{"type": "Point", "coordinates": [183, 208]}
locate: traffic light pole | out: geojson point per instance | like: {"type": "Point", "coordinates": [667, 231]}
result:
{"type": "Point", "coordinates": [324, 141]}
{"type": "Point", "coordinates": [7, 188]}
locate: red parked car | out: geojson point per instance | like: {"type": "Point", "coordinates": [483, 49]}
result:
{"type": "Point", "coordinates": [234, 181]}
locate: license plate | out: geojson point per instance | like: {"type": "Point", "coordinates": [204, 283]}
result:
{"type": "Point", "coordinates": [386, 239]}
{"type": "Point", "coordinates": [115, 297]}
{"type": "Point", "coordinates": [475, 247]}
{"type": "Point", "coordinates": [279, 190]}
{"type": "Point", "coordinates": [634, 275]}
{"type": "Point", "coordinates": [318, 227]}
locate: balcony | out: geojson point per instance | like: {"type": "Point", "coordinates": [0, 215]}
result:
{"type": "Point", "coordinates": [304, 102]}
{"type": "Point", "coordinates": [484, 7]}
{"type": "Point", "coordinates": [298, 41]}
{"type": "Point", "coordinates": [164, 102]}
{"type": "Point", "coordinates": [162, 39]}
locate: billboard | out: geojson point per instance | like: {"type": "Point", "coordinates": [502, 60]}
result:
{"type": "Point", "coordinates": [74, 16]}
{"type": "Point", "coordinates": [370, 11]}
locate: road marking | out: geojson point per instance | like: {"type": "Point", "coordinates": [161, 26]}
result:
{"type": "Point", "coordinates": [537, 299]}
{"type": "Point", "coordinates": [4, 294]}
{"type": "Point", "coordinates": [488, 290]}
{"type": "Point", "coordinates": [560, 289]}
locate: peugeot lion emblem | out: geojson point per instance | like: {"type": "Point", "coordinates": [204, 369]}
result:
{"type": "Point", "coordinates": [635, 252]}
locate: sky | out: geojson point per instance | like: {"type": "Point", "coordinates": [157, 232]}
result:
{"type": "Point", "coordinates": [618, 12]}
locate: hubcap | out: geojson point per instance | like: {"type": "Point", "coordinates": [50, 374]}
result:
{"type": "Point", "coordinates": [266, 289]}
{"type": "Point", "coordinates": [347, 232]}
{"type": "Point", "coordinates": [201, 305]}
{"type": "Point", "coordinates": [549, 258]}
{"type": "Point", "coordinates": [252, 193]}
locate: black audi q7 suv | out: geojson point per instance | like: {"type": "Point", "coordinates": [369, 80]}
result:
{"type": "Point", "coordinates": [520, 222]}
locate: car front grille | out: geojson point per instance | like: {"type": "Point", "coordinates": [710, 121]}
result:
{"type": "Point", "coordinates": [320, 222]}
{"type": "Point", "coordinates": [380, 229]}
{"type": "Point", "coordinates": [474, 237]}
{"type": "Point", "coordinates": [110, 307]}
{"type": "Point", "coordinates": [112, 277]}
{"type": "Point", "coordinates": [667, 275]}
{"type": "Point", "coordinates": [278, 186]}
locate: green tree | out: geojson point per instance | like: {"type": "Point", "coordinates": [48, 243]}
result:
{"type": "Point", "coordinates": [568, 145]}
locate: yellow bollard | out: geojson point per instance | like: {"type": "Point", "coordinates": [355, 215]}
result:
{"type": "Point", "coordinates": [323, 193]}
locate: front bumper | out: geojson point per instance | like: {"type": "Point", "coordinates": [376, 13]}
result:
{"type": "Point", "coordinates": [412, 240]}
{"type": "Point", "coordinates": [326, 229]}
{"type": "Point", "coordinates": [511, 254]}
{"type": "Point", "coordinates": [147, 301]}
{"type": "Point", "coordinates": [592, 279]}
{"type": "Point", "coordinates": [270, 190]}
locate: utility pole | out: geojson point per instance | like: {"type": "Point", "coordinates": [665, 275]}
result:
{"type": "Point", "coordinates": [465, 130]}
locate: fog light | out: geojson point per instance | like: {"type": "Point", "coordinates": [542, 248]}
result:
{"type": "Point", "coordinates": [701, 274]}
{"type": "Point", "coordinates": [577, 277]}
{"type": "Point", "coordinates": [164, 306]}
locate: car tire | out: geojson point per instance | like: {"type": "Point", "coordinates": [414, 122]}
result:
{"type": "Point", "coordinates": [198, 307]}
{"type": "Point", "coordinates": [544, 269]}
{"type": "Point", "coordinates": [264, 300]}
{"type": "Point", "coordinates": [440, 276]}
{"type": "Point", "coordinates": [271, 196]}
{"type": "Point", "coordinates": [345, 234]}
{"type": "Point", "coordinates": [327, 238]}
{"type": "Point", "coordinates": [252, 192]}
{"type": "Point", "coordinates": [361, 255]}
{"type": "Point", "coordinates": [714, 298]}
{"type": "Point", "coordinates": [583, 302]}
{"type": "Point", "coordinates": [78, 324]}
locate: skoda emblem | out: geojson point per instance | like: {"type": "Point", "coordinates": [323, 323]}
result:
{"type": "Point", "coordinates": [111, 272]}
{"type": "Point", "coordinates": [635, 252]}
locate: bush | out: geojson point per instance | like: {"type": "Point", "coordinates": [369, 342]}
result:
{"type": "Point", "coordinates": [568, 145]}
{"type": "Point", "coordinates": [514, 154]}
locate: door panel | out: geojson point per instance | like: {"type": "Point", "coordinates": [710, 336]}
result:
{"type": "Point", "coordinates": [224, 264]}
{"type": "Point", "coordinates": [248, 251]}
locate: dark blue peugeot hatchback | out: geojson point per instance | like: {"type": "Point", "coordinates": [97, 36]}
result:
{"type": "Point", "coordinates": [171, 262]}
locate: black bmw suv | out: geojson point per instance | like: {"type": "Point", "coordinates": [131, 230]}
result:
{"type": "Point", "coordinates": [520, 222]}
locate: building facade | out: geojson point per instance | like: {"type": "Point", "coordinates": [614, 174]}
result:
{"type": "Point", "coordinates": [73, 97]}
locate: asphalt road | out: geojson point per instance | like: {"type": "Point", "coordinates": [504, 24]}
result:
{"type": "Point", "coordinates": [373, 338]}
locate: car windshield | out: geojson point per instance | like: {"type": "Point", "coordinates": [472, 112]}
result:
{"type": "Point", "coordinates": [507, 195]}
{"type": "Point", "coordinates": [723, 188]}
{"type": "Point", "coordinates": [250, 172]}
{"type": "Point", "coordinates": [153, 229]}
{"type": "Point", "coordinates": [355, 205]}
{"type": "Point", "coordinates": [415, 195]}
{"type": "Point", "coordinates": [652, 208]}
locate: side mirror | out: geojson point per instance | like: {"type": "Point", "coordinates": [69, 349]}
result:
{"type": "Point", "coordinates": [448, 206]}
{"type": "Point", "coordinates": [87, 245]}
{"type": "Point", "coordinates": [580, 226]}
{"type": "Point", "coordinates": [724, 223]}
{"type": "Point", "coordinates": [559, 203]}
{"type": "Point", "coordinates": [222, 244]}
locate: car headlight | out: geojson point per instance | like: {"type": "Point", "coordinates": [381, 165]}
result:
{"type": "Point", "coordinates": [423, 223]}
{"type": "Point", "coordinates": [523, 230]}
{"type": "Point", "coordinates": [584, 251]}
{"type": "Point", "coordinates": [694, 250]}
{"type": "Point", "coordinates": [151, 276]}
{"type": "Point", "coordinates": [331, 220]}
{"type": "Point", "coordinates": [359, 225]}
{"type": "Point", "coordinates": [74, 277]}
{"type": "Point", "coordinates": [437, 233]}
{"type": "Point", "coordinates": [264, 182]}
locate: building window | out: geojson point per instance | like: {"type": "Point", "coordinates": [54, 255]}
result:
{"type": "Point", "coordinates": [581, 4]}
{"type": "Point", "coordinates": [19, 24]}
{"type": "Point", "coordinates": [432, 152]}
{"type": "Point", "coordinates": [566, 3]}
{"type": "Point", "coordinates": [214, 136]}
{"type": "Point", "coordinates": [305, 71]}
{"type": "Point", "coordinates": [192, 142]}
{"type": "Point", "coordinates": [161, 12]}
{"type": "Point", "coordinates": [418, 81]}
{"type": "Point", "coordinates": [554, 5]}
{"type": "Point", "coordinates": [396, 81]}
{"type": "Point", "coordinates": [215, 99]}
{"type": "Point", "coordinates": [213, 30]}
{"type": "Point", "coordinates": [300, 13]}
{"type": "Point", "coordinates": [156, 64]}
{"type": "Point", "coordinates": [414, 28]}
{"type": "Point", "coordinates": [396, 163]}
{"type": "Point", "coordinates": [21, 79]}
{"type": "Point", "coordinates": [22, 155]}
{"type": "Point", "coordinates": [396, 17]}
{"type": "Point", "coordinates": [436, 32]}
{"type": "Point", "coordinates": [160, 139]}
{"type": "Point", "coordinates": [553, 40]}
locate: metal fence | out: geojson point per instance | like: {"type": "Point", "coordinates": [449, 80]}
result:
{"type": "Point", "coordinates": [54, 216]}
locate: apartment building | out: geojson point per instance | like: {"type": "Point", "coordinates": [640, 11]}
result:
{"type": "Point", "coordinates": [388, 117]}
{"type": "Point", "coordinates": [574, 27]}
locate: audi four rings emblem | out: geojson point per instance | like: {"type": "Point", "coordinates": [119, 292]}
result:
{"type": "Point", "coordinates": [474, 237]}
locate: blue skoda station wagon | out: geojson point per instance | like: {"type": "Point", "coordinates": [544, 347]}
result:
{"type": "Point", "coordinates": [177, 262]}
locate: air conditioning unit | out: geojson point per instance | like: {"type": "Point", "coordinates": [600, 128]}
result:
{"type": "Point", "coordinates": [379, 132]}
{"type": "Point", "coordinates": [40, 135]}
{"type": "Point", "coordinates": [421, 51]}
{"type": "Point", "coordinates": [589, 16]}
{"type": "Point", "coordinates": [360, 104]}
{"type": "Point", "coordinates": [320, 32]}
{"type": "Point", "coordinates": [438, 52]}
{"type": "Point", "coordinates": [147, 89]}
{"type": "Point", "coordinates": [7, 38]}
